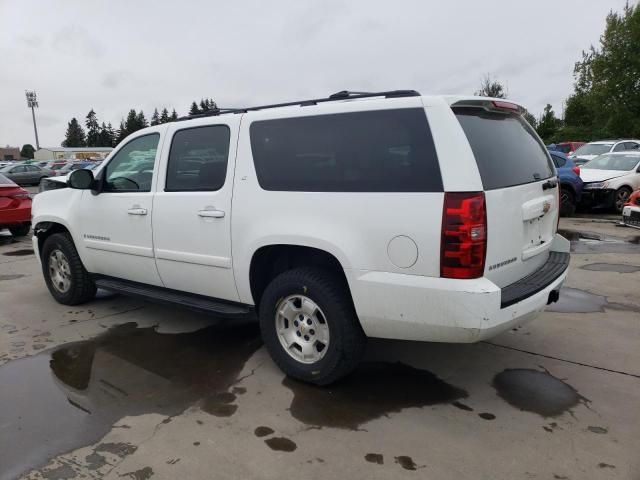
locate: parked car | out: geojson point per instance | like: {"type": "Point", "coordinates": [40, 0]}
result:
{"type": "Point", "coordinates": [609, 179]}
{"type": "Point", "coordinates": [591, 150]}
{"type": "Point", "coordinates": [358, 215]}
{"type": "Point", "coordinates": [24, 174]}
{"type": "Point", "coordinates": [570, 182]}
{"type": "Point", "coordinates": [631, 210]}
{"type": "Point", "coordinates": [568, 148]}
{"type": "Point", "coordinates": [15, 207]}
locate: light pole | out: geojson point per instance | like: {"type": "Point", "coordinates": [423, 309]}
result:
{"type": "Point", "coordinates": [32, 102]}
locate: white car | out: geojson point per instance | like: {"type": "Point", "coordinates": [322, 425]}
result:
{"type": "Point", "coordinates": [591, 150]}
{"type": "Point", "coordinates": [389, 215]}
{"type": "Point", "coordinates": [609, 179]}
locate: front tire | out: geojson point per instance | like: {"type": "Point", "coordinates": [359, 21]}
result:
{"type": "Point", "coordinates": [621, 197]}
{"type": "Point", "coordinates": [65, 276]}
{"type": "Point", "coordinates": [567, 202]}
{"type": "Point", "coordinates": [310, 327]}
{"type": "Point", "coordinates": [20, 230]}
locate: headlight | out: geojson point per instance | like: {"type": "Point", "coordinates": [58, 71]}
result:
{"type": "Point", "coordinates": [595, 185]}
{"type": "Point", "coordinates": [47, 184]}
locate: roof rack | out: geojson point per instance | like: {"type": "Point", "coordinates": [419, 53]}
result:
{"type": "Point", "coordinates": [342, 95]}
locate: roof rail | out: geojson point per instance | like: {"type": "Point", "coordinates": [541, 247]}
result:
{"type": "Point", "coordinates": [342, 95]}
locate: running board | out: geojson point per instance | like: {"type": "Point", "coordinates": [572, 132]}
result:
{"type": "Point", "coordinates": [192, 301]}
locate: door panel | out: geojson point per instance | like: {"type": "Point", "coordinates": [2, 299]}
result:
{"type": "Point", "coordinates": [192, 210]}
{"type": "Point", "coordinates": [115, 225]}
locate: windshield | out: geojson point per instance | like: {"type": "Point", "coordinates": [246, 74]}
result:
{"type": "Point", "coordinates": [7, 168]}
{"type": "Point", "coordinates": [613, 162]}
{"type": "Point", "coordinates": [594, 149]}
{"type": "Point", "coordinates": [5, 182]}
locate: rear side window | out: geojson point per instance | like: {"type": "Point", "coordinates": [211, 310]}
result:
{"type": "Point", "coordinates": [374, 151]}
{"type": "Point", "coordinates": [506, 148]}
{"type": "Point", "coordinates": [558, 161]}
{"type": "Point", "coordinates": [198, 159]}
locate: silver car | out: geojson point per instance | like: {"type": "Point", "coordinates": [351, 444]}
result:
{"type": "Point", "coordinates": [25, 174]}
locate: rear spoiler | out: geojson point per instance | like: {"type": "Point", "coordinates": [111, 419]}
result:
{"type": "Point", "coordinates": [490, 105]}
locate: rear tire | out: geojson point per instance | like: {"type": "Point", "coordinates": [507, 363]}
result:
{"type": "Point", "coordinates": [20, 230]}
{"type": "Point", "coordinates": [621, 197]}
{"type": "Point", "coordinates": [567, 202]}
{"type": "Point", "coordinates": [64, 274]}
{"type": "Point", "coordinates": [314, 299]}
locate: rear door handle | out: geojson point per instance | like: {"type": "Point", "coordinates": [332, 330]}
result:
{"type": "Point", "coordinates": [137, 211]}
{"type": "Point", "coordinates": [211, 213]}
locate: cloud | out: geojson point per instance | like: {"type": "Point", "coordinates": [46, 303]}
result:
{"type": "Point", "coordinates": [115, 78]}
{"type": "Point", "coordinates": [77, 41]}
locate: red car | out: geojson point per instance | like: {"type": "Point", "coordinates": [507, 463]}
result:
{"type": "Point", "coordinates": [569, 147]}
{"type": "Point", "coordinates": [15, 208]}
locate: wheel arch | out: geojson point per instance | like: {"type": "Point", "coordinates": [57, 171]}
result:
{"type": "Point", "coordinates": [44, 229]}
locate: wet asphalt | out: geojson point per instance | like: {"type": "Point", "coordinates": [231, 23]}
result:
{"type": "Point", "coordinates": [118, 388]}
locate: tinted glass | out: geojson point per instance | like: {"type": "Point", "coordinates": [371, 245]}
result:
{"type": "Point", "coordinates": [17, 169]}
{"type": "Point", "coordinates": [619, 147]}
{"type": "Point", "coordinates": [558, 161]}
{"type": "Point", "coordinates": [631, 146]}
{"type": "Point", "coordinates": [375, 151]}
{"type": "Point", "coordinates": [564, 147]}
{"type": "Point", "coordinates": [131, 169]}
{"type": "Point", "coordinates": [507, 150]}
{"type": "Point", "coordinates": [198, 159]}
{"type": "Point", "coordinates": [613, 162]}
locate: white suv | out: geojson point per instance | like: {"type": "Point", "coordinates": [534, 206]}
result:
{"type": "Point", "coordinates": [387, 215]}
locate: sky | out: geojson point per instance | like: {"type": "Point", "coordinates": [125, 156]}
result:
{"type": "Point", "coordinates": [116, 55]}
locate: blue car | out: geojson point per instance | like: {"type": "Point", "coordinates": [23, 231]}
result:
{"type": "Point", "coordinates": [570, 182]}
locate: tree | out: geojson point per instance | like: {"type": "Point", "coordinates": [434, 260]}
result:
{"type": "Point", "coordinates": [548, 124]}
{"type": "Point", "coordinates": [606, 98]}
{"type": "Point", "coordinates": [204, 105]}
{"type": "Point", "coordinates": [27, 151]}
{"type": "Point", "coordinates": [155, 118]}
{"type": "Point", "coordinates": [490, 87]}
{"type": "Point", "coordinates": [174, 115]}
{"type": "Point", "coordinates": [194, 110]}
{"type": "Point", "coordinates": [164, 117]}
{"type": "Point", "coordinates": [121, 134]}
{"type": "Point", "coordinates": [111, 135]}
{"type": "Point", "coordinates": [131, 123]}
{"type": "Point", "coordinates": [93, 129]}
{"type": "Point", "coordinates": [75, 136]}
{"type": "Point", "coordinates": [528, 116]}
{"type": "Point", "coordinates": [141, 121]}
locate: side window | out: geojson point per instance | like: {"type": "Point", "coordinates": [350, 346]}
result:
{"type": "Point", "coordinates": [131, 169]}
{"type": "Point", "coordinates": [33, 168]}
{"type": "Point", "coordinates": [558, 161]}
{"type": "Point", "coordinates": [619, 147]}
{"type": "Point", "coordinates": [198, 159]}
{"type": "Point", "coordinates": [632, 145]}
{"type": "Point", "coordinates": [374, 151]}
{"type": "Point", "coordinates": [19, 169]}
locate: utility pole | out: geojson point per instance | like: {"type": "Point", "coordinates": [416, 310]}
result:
{"type": "Point", "coordinates": [32, 102]}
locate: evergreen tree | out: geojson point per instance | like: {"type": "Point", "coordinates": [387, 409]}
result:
{"type": "Point", "coordinates": [164, 117]}
{"type": "Point", "coordinates": [528, 116]}
{"type": "Point", "coordinates": [141, 121]}
{"type": "Point", "coordinates": [548, 124]}
{"type": "Point", "coordinates": [93, 129]}
{"type": "Point", "coordinates": [111, 136]}
{"type": "Point", "coordinates": [131, 123]}
{"type": "Point", "coordinates": [155, 118]}
{"type": "Point", "coordinates": [490, 87]}
{"type": "Point", "coordinates": [212, 105]}
{"type": "Point", "coordinates": [122, 131]}
{"type": "Point", "coordinates": [27, 151]}
{"type": "Point", "coordinates": [75, 136]}
{"type": "Point", "coordinates": [194, 110]}
{"type": "Point", "coordinates": [102, 136]}
{"type": "Point", "coordinates": [174, 115]}
{"type": "Point", "coordinates": [204, 105]}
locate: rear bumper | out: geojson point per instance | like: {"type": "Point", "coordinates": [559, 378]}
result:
{"type": "Point", "coordinates": [15, 216]}
{"type": "Point", "coordinates": [411, 307]}
{"type": "Point", "coordinates": [631, 216]}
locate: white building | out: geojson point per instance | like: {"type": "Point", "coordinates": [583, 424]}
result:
{"type": "Point", "coordinates": [79, 153]}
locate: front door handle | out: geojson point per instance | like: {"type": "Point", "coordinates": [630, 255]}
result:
{"type": "Point", "coordinates": [211, 213]}
{"type": "Point", "coordinates": [135, 210]}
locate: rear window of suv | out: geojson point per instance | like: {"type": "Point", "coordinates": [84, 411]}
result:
{"type": "Point", "coordinates": [372, 151]}
{"type": "Point", "coordinates": [507, 150]}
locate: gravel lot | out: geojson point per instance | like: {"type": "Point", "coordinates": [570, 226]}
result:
{"type": "Point", "coordinates": [119, 388]}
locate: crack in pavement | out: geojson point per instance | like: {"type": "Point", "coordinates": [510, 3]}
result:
{"type": "Point", "coordinates": [562, 359]}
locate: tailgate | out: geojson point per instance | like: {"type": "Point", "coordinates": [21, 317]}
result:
{"type": "Point", "coordinates": [521, 188]}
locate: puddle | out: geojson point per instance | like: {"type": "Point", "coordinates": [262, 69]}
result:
{"type": "Point", "coordinates": [406, 462]}
{"type": "Point", "coordinates": [574, 300]}
{"type": "Point", "coordinates": [611, 267]}
{"type": "Point", "coordinates": [72, 397]}
{"type": "Point", "coordinates": [590, 242]}
{"type": "Point", "coordinates": [536, 391]}
{"type": "Point", "coordinates": [10, 277]}
{"type": "Point", "coordinates": [281, 444]}
{"type": "Point", "coordinates": [373, 390]}
{"type": "Point", "coordinates": [263, 431]}
{"type": "Point", "coordinates": [18, 253]}
{"type": "Point", "coordinates": [376, 458]}
{"type": "Point", "coordinates": [7, 240]}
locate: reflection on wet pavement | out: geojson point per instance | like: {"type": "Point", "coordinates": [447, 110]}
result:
{"type": "Point", "coordinates": [73, 397]}
{"type": "Point", "coordinates": [373, 390]}
{"type": "Point", "coordinates": [590, 242]}
{"type": "Point", "coordinates": [536, 391]}
{"type": "Point", "coordinates": [574, 300]}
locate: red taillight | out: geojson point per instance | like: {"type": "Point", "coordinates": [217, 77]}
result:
{"type": "Point", "coordinates": [464, 235]}
{"type": "Point", "coordinates": [576, 170]}
{"type": "Point", "coordinates": [505, 105]}
{"type": "Point", "coordinates": [20, 196]}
